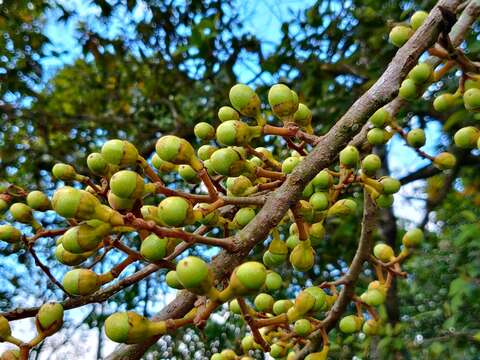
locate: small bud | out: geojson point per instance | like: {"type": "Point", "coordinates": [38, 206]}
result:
{"type": "Point", "coordinates": [64, 172]}
{"type": "Point", "coordinates": [380, 118]}
{"type": "Point", "coordinates": [131, 328]}
{"type": "Point", "coordinates": [175, 150]}
{"type": "Point", "coordinates": [319, 201]}
{"type": "Point", "coordinates": [384, 201]}
{"type": "Point", "coordinates": [281, 306]}
{"type": "Point", "coordinates": [227, 162]}
{"type": "Point", "coordinates": [193, 273]}
{"type": "Point", "coordinates": [303, 115]}
{"type": "Point", "coordinates": [302, 327]}
{"type": "Point", "coordinates": [342, 207]}
{"type": "Point", "coordinates": [5, 330]}
{"type": "Point", "coordinates": [233, 133]}
{"type": "Point", "coordinates": [172, 280]}
{"type": "Point", "coordinates": [155, 248]}
{"type": "Point", "coordinates": [234, 307]}
{"type": "Point", "coordinates": [302, 257]}
{"type": "Point", "coordinates": [68, 258]}
{"type": "Point", "coordinates": [290, 163]}
{"type": "Point", "coordinates": [273, 281]}
{"type": "Point", "coordinates": [248, 277]}
{"type": "Point", "coordinates": [390, 185]}
{"type": "Point", "coordinates": [85, 237]}
{"type": "Point", "coordinates": [204, 152]}
{"type": "Point", "coordinates": [264, 302]}
{"type": "Point", "coordinates": [243, 216]}
{"type": "Point", "coordinates": [119, 203]}
{"type": "Point", "coordinates": [350, 324]}
{"type": "Point", "coordinates": [377, 136]}
{"type": "Point", "coordinates": [323, 180]}
{"type": "Point", "coordinates": [188, 174]}
{"type": "Point", "coordinates": [371, 327]}
{"type": "Point", "coordinates": [162, 165]}
{"type": "Point", "coordinates": [320, 298]}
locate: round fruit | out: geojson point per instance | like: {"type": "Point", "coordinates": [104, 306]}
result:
{"type": "Point", "coordinates": [349, 156]}
{"type": "Point", "coordinates": [205, 151]}
{"type": "Point", "coordinates": [243, 216]}
{"type": "Point", "coordinates": [172, 280]}
{"type": "Point", "coordinates": [413, 238]}
{"type": "Point", "coordinates": [192, 272]}
{"type": "Point", "coordinates": [417, 19]}
{"type": "Point", "coordinates": [380, 118]}
{"type": "Point", "coordinates": [128, 328]}
{"type": "Point", "coordinates": [49, 318]}
{"type": "Point", "coordinates": [245, 100]}
{"type": "Point", "coordinates": [227, 162]}
{"type": "Point", "coordinates": [319, 201]}
{"type": "Point", "coordinates": [390, 185]}
{"type": "Point", "coordinates": [120, 152]}
{"type": "Point", "coordinates": [303, 115]}
{"type": "Point", "coordinates": [408, 90]}
{"type": "Point", "coordinates": [97, 164]}
{"type": "Point", "coordinates": [119, 203]}
{"type": "Point", "coordinates": [467, 137]}
{"type": "Point", "coordinates": [228, 354]}
{"type": "Point", "coordinates": [127, 184]}
{"type": "Point", "coordinates": [383, 252]}
{"type": "Point", "coordinates": [162, 165]}
{"type": "Point", "coordinates": [416, 138]}
{"type": "Point", "coordinates": [471, 98]}
{"type": "Point", "coordinates": [21, 213]}
{"type": "Point", "coordinates": [251, 275]}
{"type": "Point", "coordinates": [64, 172]}
{"type": "Point", "coordinates": [444, 102]}
{"type": "Point", "coordinates": [302, 327]}
{"type": "Point", "coordinates": [320, 298]}
{"type": "Point", "coordinates": [10, 355]}
{"type": "Point", "coordinates": [81, 282]}
{"type": "Point", "coordinates": [85, 237]}
{"type": "Point", "coordinates": [323, 180]}
{"type": "Point", "coordinates": [281, 306]}
{"type": "Point", "coordinates": [350, 324]}
{"type": "Point", "coordinates": [188, 174]}
{"type": "Point", "coordinates": [264, 302]}
{"type": "Point", "coordinates": [302, 257]}
{"type": "Point", "coordinates": [273, 281]}
{"type": "Point", "coordinates": [154, 248]}
{"type": "Point", "coordinates": [174, 150]}
{"type": "Point", "coordinates": [282, 100]}
{"type": "Point", "coordinates": [376, 136]}
{"type": "Point", "coordinates": [399, 35]}
{"type": "Point", "coordinates": [226, 113]}
{"type": "Point", "coordinates": [204, 131]}
{"type": "Point", "coordinates": [373, 297]}
{"type": "Point", "coordinates": [9, 234]}
{"type": "Point", "coordinates": [277, 351]}
{"type": "Point", "coordinates": [68, 258]}
{"type": "Point", "coordinates": [445, 161]}
{"type": "Point", "coordinates": [37, 200]}
{"type": "Point", "coordinates": [175, 211]}
{"type": "Point", "coordinates": [421, 73]}
{"type": "Point", "coordinates": [290, 163]}
{"type": "Point", "coordinates": [233, 133]}
{"type": "Point", "coordinates": [371, 327]}
{"type": "Point", "coordinates": [371, 164]}
{"type": "Point", "coordinates": [384, 201]}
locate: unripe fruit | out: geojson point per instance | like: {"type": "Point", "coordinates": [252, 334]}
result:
{"type": "Point", "coordinates": [416, 138]}
{"type": "Point", "coordinates": [316, 234]}
{"type": "Point", "coordinates": [445, 161]}
{"type": "Point", "coordinates": [371, 327]}
{"type": "Point", "coordinates": [120, 152]}
{"type": "Point", "coordinates": [155, 248]}
{"type": "Point", "coordinates": [302, 257]}
{"type": "Point", "coordinates": [192, 272]}
{"type": "Point", "coordinates": [73, 203]}
{"type": "Point", "coordinates": [243, 216]}
{"type": "Point", "coordinates": [81, 282]}
{"type": "Point", "coordinates": [68, 258]}
{"type": "Point", "coordinates": [226, 113]}
{"type": "Point", "coordinates": [408, 90]}
{"type": "Point", "coordinates": [371, 164]}
{"type": "Point", "coordinates": [248, 277]}
{"type": "Point", "coordinates": [349, 156]}
{"type": "Point", "coordinates": [282, 100]}
{"type": "Point", "coordinates": [248, 343]}
{"type": "Point", "coordinates": [292, 241]}
{"type": "Point", "coordinates": [10, 355]}
{"type": "Point", "coordinates": [127, 184]}
{"type": "Point", "coordinates": [399, 35]}
{"type": "Point", "coordinates": [384, 201]}
{"type": "Point", "coordinates": [303, 115]}
{"type": "Point", "coordinates": [21, 213]}
{"type": "Point", "coordinates": [3, 205]}
{"type": "Point", "coordinates": [174, 150]}
{"type": "Point", "coordinates": [304, 302]}
{"type": "Point", "coordinates": [277, 351]}
{"type": "Point", "coordinates": [5, 330]}
{"type": "Point", "coordinates": [380, 118]}
{"type": "Point", "coordinates": [119, 203]}
{"type": "Point", "coordinates": [172, 280]}
{"type": "Point", "coordinates": [37, 200]}
{"type": "Point", "coordinates": [239, 186]}
{"type": "Point", "coordinates": [421, 73]}
{"type": "Point", "coordinates": [234, 307]}
{"type": "Point", "coordinates": [175, 211]}
{"type": "Point", "coordinates": [64, 172]}
{"type": "Point", "coordinates": [97, 164]}
{"type": "Point", "coordinates": [471, 84]}
{"type": "Point", "coordinates": [417, 19]}
{"type": "Point", "coordinates": [302, 327]}
{"type": "Point", "coordinates": [162, 165]}
{"type": "Point", "coordinates": [319, 296]}
{"type": "Point", "coordinates": [373, 297]}
{"type": "Point", "coordinates": [227, 162]}
{"type": "Point", "coordinates": [350, 324]}
{"type": "Point", "coordinates": [444, 102]}
{"type": "Point", "coordinates": [188, 174]}
{"type": "Point", "coordinates": [233, 133]}
{"type": "Point", "coordinates": [390, 185]}
{"type": "Point", "coordinates": [290, 163]}
{"type": "Point", "coordinates": [273, 281]}
{"type": "Point", "coordinates": [323, 180]}
{"type": "Point", "coordinates": [281, 306]}
{"type": "Point", "coordinates": [228, 354]}
{"type": "Point", "coordinates": [49, 318]}
{"type": "Point", "coordinates": [85, 237]}
{"type": "Point", "coordinates": [216, 357]}
{"type": "Point", "coordinates": [342, 207]}
{"type": "Point", "coordinates": [204, 131]}
{"type": "Point", "coordinates": [9, 234]}
{"type": "Point", "coordinates": [319, 201]}
{"type": "Point", "coordinates": [376, 136]}
{"type": "Point", "coordinates": [383, 252]}
{"type": "Point", "coordinates": [205, 151]}
{"type": "Point", "coordinates": [413, 238]}
{"type": "Point", "coordinates": [131, 328]}
{"type": "Point", "coordinates": [245, 100]}
{"type": "Point", "coordinates": [471, 99]}
{"type": "Point", "coordinates": [467, 137]}
{"type": "Point", "coordinates": [264, 302]}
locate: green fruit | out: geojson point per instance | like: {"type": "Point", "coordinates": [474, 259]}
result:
{"type": "Point", "coordinates": [380, 118]}
{"type": "Point", "coordinates": [155, 248]}
{"type": "Point", "coordinates": [271, 260]}
{"type": "Point", "coordinates": [342, 207]}
{"type": "Point", "coordinates": [304, 302]}
{"type": "Point", "coordinates": [417, 19]}
{"type": "Point", "coordinates": [371, 327]}
{"type": "Point", "coordinates": [444, 102]}
{"type": "Point", "coordinates": [371, 164]}
{"type": "Point", "coordinates": [383, 252]}
{"type": "Point", "coordinates": [192, 272]}
{"type": "Point", "coordinates": [250, 276]}
{"type": "Point", "coordinates": [68, 258]}
{"type": "Point", "coordinates": [227, 162]}
{"type": "Point", "coordinates": [5, 330]}
{"type": "Point", "coordinates": [471, 84]}
{"type": "Point", "coordinates": [445, 161]}
{"type": "Point", "coordinates": [245, 100]}
{"type": "Point", "coordinates": [248, 343]}
{"type": "Point", "coordinates": [413, 238]}
{"type": "Point", "coordinates": [467, 137]}
{"type": "Point", "coordinates": [399, 35]}
{"type": "Point", "coordinates": [228, 354]}
{"type": "Point", "coordinates": [408, 90]}
{"type": "Point", "coordinates": [316, 234]}
{"type": "Point", "coordinates": [37, 200]}
{"type": "Point", "coordinates": [303, 115]}
{"type": "Point", "coordinates": [119, 203]}
{"type": "Point", "coordinates": [350, 324]}
{"type": "Point", "coordinates": [320, 298]}
{"type": "Point", "coordinates": [21, 213]}
{"type": "Point", "coordinates": [239, 186]}
{"type": "Point", "coordinates": [81, 282]}
{"type": "Point", "coordinates": [373, 297]}
{"type": "Point", "coordinates": [10, 355]}
{"type": "Point", "coordinates": [172, 280]}
{"type": "Point", "coordinates": [10, 234]}
{"type": "Point", "coordinates": [277, 351]}
{"type": "Point", "coordinates": [216, 357]}
{"type": "Point", "coordinates": [175, 211]}
{"type": "Point", "coordinates": [292, 241]}
{"type": "Point", "coordinates": [302, 327]}
{"type": "Point", "coordinates": [49, 318]}
{"type": "Point", "coordinates": [131, 328]}
{"type": "Point", "coordinates": [302, 257]}
{"type": "Point", "coordinates": [308, 190]}
{"type": "Point", "coordinates": [204, 131]}
{"type": "Point", "coordinates": [175, 150]}
{"type": "Point", "coordinates": [377, 136]}
{"type": "Point", "coordinates": [421, 73]}
{"type": "Point", "coordinates": [349, 156]}
{"type": "Point", "coordinates": [234, 133]}
{"type": "Point", "coordinates": [162, 165]}
{"type": "Point", "coordinates": [243, 216]}
{"type": "Point", "coordinates": [282, 100]}
{"type": "Point", "coordinates": [71, 203]}
{"type": "Point", "coordinates": [226, 113]}
{"type": "Point", "coordinates": [384, 201]}
{"type": "Point", "coordinates": [264, 302]}
{"type": "Point", "coordinates": [64, 172]}
{"type": "Point", "coordinates": [323, 180]}
{"type": "Point", "coordinates": [188, 174]}
{"type": "Point", "coordinates": [204, 152]}
{"type": "Point", "coordinates": [97, 164]}
{"type": "Point", "coordinates": [127, 184]}
{"type": "Point", "coordinates": [85, 237]}
{"type": "Point", "coordinates": [390, 185]}
{"type": "Point", "coordinates": [471, 99]}
{"type": "Point", "coordinates": [120, 152]}
{"type": "Point", "coordinates": [273, 281]}
{"type": "Point", "coordinates": [281, 306]}
{"type": "Point", "coordinates": [234, 307]}
{"type": "Point", "coordinates": [319, 201]}
{"type": "Point", "coordinates": [416, 138]}
{"type": "Point", "coordinates": [290, 163]}
{"type": "Point", "coordinates": [3, 205]}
